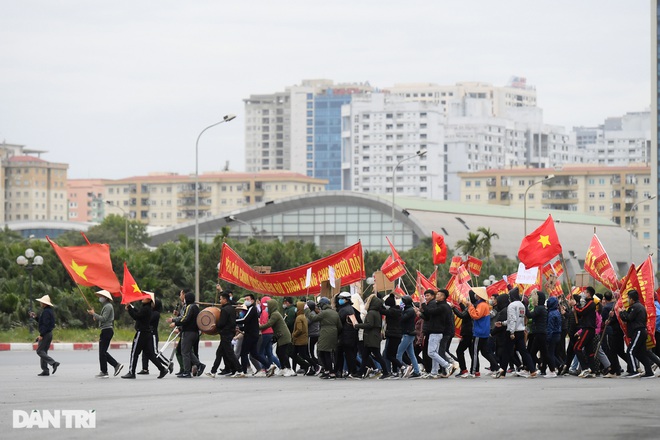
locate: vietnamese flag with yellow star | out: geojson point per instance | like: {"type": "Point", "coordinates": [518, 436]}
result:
{"type": "Point", "coordinates": [439, 248]}
{"type": "Point", "coordinates": [88, 265]}
{"type": "Point", "coordinates": [541, 246]}
{"type": "Point", "coordinates": [129, 290]}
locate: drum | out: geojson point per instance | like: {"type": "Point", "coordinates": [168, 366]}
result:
{"type": "Point", "coordinates": [207, 320]}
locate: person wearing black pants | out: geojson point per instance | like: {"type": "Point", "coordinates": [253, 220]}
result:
{"type": "Point", "coordinates": [142, 340]}
{"type": "Point", "coordinates": [105, 319]}
{"type": "Point", "coordinates": [372, 326]}
{"type": "Point", "coordinates": [249, 325]}
{"type": "Point", "coordinates": [187, 325]}
{"type": "Point", "coordinates": [539, 317]}
{"type": "Point", "coordinates": [635, 317]}
{"type": "Point", "coordinates": [155, 319]}
{"type": "Point", "coordinates": [313, 330]}
{"type": "Point", "coordinates": [227, 328]}
{"type": "Point", "coordinates": [46, 327]}
{"type": "Point", "coordinates": [426, 359]}
{"type": "Point", "coordinates": [611, 325]}
{"type": "Point", "coordinates": [392, 313]}
{"type": "Point", "coordinates": [586, 331]}
{"type": "Point", "coordinates": [466, 338]}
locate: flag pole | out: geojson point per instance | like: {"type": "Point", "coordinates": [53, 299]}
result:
{"type": "Point", "coordinates": [568, 281]}
{"type": "Point", "coordinates": [83, 295]}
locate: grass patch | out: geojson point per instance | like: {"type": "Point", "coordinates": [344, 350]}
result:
{"type": "Point", "coordinates": [125, 334]}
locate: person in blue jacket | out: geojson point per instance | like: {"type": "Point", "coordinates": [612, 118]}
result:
{"type": "Point", "coordinates": [46, 325]}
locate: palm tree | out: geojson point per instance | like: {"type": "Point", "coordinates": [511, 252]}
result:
{"type": "Point", "coordinates": [471, 246]}
{"type": "Point", "coordinates": [487, 237]}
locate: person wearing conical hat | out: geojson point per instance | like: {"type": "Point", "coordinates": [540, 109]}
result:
{"type": "Point", "coordinates": [46, 325]}
{"type": "Point", "coordinates": [106, 321]}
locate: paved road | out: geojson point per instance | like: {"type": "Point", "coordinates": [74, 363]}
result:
{"type": "Point", "coordinates": [310, 408]}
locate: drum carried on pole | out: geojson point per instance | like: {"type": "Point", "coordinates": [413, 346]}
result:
{"type": "Point", "coordinates": [207, 320]}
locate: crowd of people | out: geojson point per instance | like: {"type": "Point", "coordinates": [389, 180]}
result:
{"type": "Point", "coordinates": [390, 337]}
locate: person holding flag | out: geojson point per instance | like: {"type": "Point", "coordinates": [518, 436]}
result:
{"type": "Point", "coordinates": [635, 317]}
{"type": "Point", "coordinates": [142, 339]}
{"type": "Point", "coordinates": [106, 321]}
{"type": "Point", "coordinates": [585, 313]}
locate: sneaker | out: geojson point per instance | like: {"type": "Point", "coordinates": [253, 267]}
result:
{"type": "Point", "coordinates": [170, 367]}
{"type": "Point", "coordinates": [395, 376]}
{"type": "Point", "coordinates": [353, 376]}
{"type": "Point", "coordinates": [55, 365]}
{"type": "Point", "coordinates": [200, 369]}
{"type": "Point", "coordinates": [522, 373]}
{"type": "Point", "coordinates": [477, 374]}
{"type": "Point", "coordinates": [654, 367]}
{"type": "Point", "coordinates": [462, 373]}
{"type": "Point", "coordinates": [499, 374]}
{"type": "Point", "coordinates": [44, 373]}
{"type": "Point", "coordinates": [573, 372]}
{"type": "Point", "coordinates": [609, 375]}
{"type": "Point", "coordinates": [533, 375]}
{"type": "Point", "coordinates": [367, 373]}
{"type": "Point", "coordinates": [648, 376]}
{"type": "Point", "coordinates": [226, 373]}
{"type": "Point", "coordinates": [301, 371]}
{"type": "Point", "coordinates": [128, 375]}
{"type": "Point", "coordinates": [446, 373]}
{"type": "Point", "coordinates": [211, 375]}
{"type": "Point", "coordinates": [584, 372]}
{"type": "Point", "coordinates": [408, 371]}
{"type": "Point", "coordinates": [431, 376]}
{"type": "Point", "coordinates": [194, 371]}
{"type": "Point", "coordinates": [632, 375]}
{"type": "Point", "coordinates": [102, 376]}
{"type": "Point", "coordinates": [260, 373]}
{"type": "Point", "coordinates": [550, 374]}
{"type": "Point", "coordinates": [163, 373]}
{"type": "Point", "coordinates": [118, 369]}
{"type": "Point", "coordinates": [238, 375]}
{"type": "Point", "coordinates": [288, 372]}
{"type": "Point", "coordinates": [452, 368]}
{"type": "Point", "coordinates": [414, 376]}
{"type": "Point", "coordinates": [271, 370]}
{"type": "Point", "coordinates": [185, 376]}
{"type": "Point", "coordinates": [385, 376]}
{"type": "Point", "coordinates": [143, 372]}
{"type": "Point", "coordinates": [279, 371]}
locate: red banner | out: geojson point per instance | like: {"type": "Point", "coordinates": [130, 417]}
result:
{"type": "Point", "coordinates": [462, 275]}
{"type": "Point", "coordinates": [558, 268]}
{"type": "Point", "coordinates": [348, 264]}
{"type": "Point", "coordinates": [498, 288]}
{"type": "Point", "coordinates": [392, 270]}
{"type": "Point", "coordinates": [548, 271]}
{"type": "Point", "coordinates": [456, 262]}
{"type": "Point", "coordinates": [598, 265]}
{"type": "Point", "coordinates": [474, 265]}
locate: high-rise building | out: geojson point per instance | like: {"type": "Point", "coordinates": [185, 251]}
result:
{"type": "Point", "coordinates": [655, 118]}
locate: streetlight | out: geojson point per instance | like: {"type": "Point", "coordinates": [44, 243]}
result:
{"type": "Point", "coordinates": [29, 262]}
{"type": "Point", "coordinates": [254, 228]}
{"type": "Point", "coordinates": [631, 216]}
{"type": "Point", "coordinates": [225, 118]}
{"type": "Point", "coordinates": [419, 153]}
{"type": "Point", "coordinates": [108, 202]}
{"type": "Point", "coordinates": [546, 178]}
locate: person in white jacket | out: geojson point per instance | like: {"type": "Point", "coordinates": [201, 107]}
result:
{"type": "Point", "coordinates": [515, 328]}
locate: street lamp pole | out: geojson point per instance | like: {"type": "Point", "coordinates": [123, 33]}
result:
{"type": "Point", "coordinates": [551, 176]}
{"type": "Point", "coordinates": [108, 202]}
{"type": "Point", "coordinates": [225, 118]}
{"type": "Point", "coordinates": [29, 262]}
{"type": "Point", "coordinates": [631, 216]}
{"type": "Point", "coordinates": [254, 228]}
{"type": "Point", "coordinates": [419, 153]}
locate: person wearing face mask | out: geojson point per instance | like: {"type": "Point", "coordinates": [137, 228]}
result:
{"type": "Point", "coordinates": [267, 335]}
{"type": "Point", "coordinates": [105, 319]}
{"type": "Point", "coordinates": [348, 340]}
{"type": "Point", "coordinates": [249, 325]}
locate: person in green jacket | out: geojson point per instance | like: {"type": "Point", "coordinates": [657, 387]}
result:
{"type": "Point", "coordinates": [372, 327]}
{"type": "Point", "coordinates": [283, 335]}
{"type": "Point", "coordinates": [329, 331]}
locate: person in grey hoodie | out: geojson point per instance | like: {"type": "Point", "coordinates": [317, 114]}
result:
{"type": "Point", "coordinates": [515, 329]}
{"type": "Point", "coordinates": [106, 320]}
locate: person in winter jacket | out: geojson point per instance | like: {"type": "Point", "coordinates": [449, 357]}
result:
{"type": "Point", "coordinates": [392, 314]}
{"type": "Point", "coordinates": [329, 331]}
{"type": "Point", "coordinates": [142, 340]}
{"type": "Point", "coordinates": [300, 339]}
{"type": "Point", "coordinates": [313, 329]}
{"type": "Point", "coordinates": [635, 317]}
{"type": "Point", "coordinates": [586, 331]}
{"type": "Point", "coordinates": [106, 322]}
{"type": "Point", "coordinates": [266, 349]}
{"type": "Point", "coordinates": [187, 325]}
{"type": "Point", "coordinates": [539, 344]}
{"type": "Point", "coordinates": [553, 332]}
{"type": "Point", "coordinates": [46, 326]}
{"type": "Point", "coordinates": [281, 332]}
{"type": "Point", "coordinates": [466, 333]}
{"type": "Point", "coordinates": [441, 321]}
{"type": "Point", "coordinates": [408, 335]}
{"type": "Point", "coordinates": [227, 329]}
{"type": "Point", "coordinates": [372, 327]}
{"type": "Point", "coordinates": [249, 325]}
{"type": "Point", "coordinates": [480, 316]}
{"type": "Point", "coordinates": [157, 306]}
{"type": "Point", "coordinates": [348, 340]}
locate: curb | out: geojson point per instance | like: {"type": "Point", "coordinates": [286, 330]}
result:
{"type": "Point", "coordinates": [70, 346]}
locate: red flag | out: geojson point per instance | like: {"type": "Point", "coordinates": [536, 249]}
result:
{"type": "Point", "coordinates": [541, 246]}
{"type": "Point", "coordinates": [474, 265]}
{"type": "Point", "coordinates": [548, 271]}
{"type": "Point", "coordinates": [646, 284]}
{"type": "Point", "coordinates": [439, 248]}
{"type": "Point", "coordinates": [433, 279]}
{"type": "Point", "coordinates": [395, 254]}
{"type": "Point", "coordinates": [558, 268]}
{"type": "Point", "coordinates": [399, 291]}
{"type": "Point", "coordinates": [556, 290]}
{"type": "Point", "coordinates": [462, 275]}
{"type": "Point", "coordinates": [423, 284]}
{"type": "Point", "coordinates": [456, 262]}
{"type": "Point", "coordinates": [497, 288]}
{"type": "Point", "coordinates": [129, 290]}
{"type": "Point", "coordinates": [392, 269]}
{"type": "Point", "coordinates": [88, 265]}
{"type": "Point", "coordinates": [599, 266]}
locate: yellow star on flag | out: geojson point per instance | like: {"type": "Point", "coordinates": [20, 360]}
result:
{"type": "Point", "coordinates": [79, 270]}
{"type": "Point", "coordinates": [135, 288]}
{"type": "Point", "coordinates": [544, 240]}
{"type": "Point", "coordinates": [437, 248]}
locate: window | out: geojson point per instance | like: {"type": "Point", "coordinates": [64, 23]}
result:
{"type": "Point", "coordinates": [468, 184]}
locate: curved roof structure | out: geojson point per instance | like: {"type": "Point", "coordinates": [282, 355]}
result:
{"type": "Point", "coordinates": [337, 219]}
{"type": "Point", "coordinates": [41, 228]}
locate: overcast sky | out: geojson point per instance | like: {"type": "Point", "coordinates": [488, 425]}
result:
{"type": "Point", "coordinates": [122, 88]}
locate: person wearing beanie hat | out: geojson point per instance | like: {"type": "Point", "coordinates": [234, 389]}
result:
{"type": "Point", "coordinates": [46, 326]}
{"type": "Point", "coordinates": [515, 328]}
{"type": "Point", "coordinates": [330, 327]}
{"type": "Point", "coordinates": [635, 317]}
{"type": "Point", "coordinates": [392, 313]}
{"type": "Point", "coordinates": [586, 327]}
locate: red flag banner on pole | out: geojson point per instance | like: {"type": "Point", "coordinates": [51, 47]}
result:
{"type": "Point", "coordinates": [433, 279]}
{"type": "Point", "coordinates": [474, 265]}
{"type": "Point", "coordinates": [456, 262]}
{"type": "Point", "coordinates": [129, 290]}
{"type": "Point", "coordinates": [395, 254]}
{"type": "Point", "coordinates": [88, 265]}
{"type": "Point", "coordinates": [548, 271]}
{"type": "Point", "coordinates": [462, 275]}
{"type": "Point", "coordinates": [597, 263]}
{"type": "Point", "coordinates": [348, 264]}
{"type": "Point", "coordinates": [423, 284]}
{"type": "Point", "coordinates": [439, 248]}
{"type": "Point", "coordinates": [497, 288]}
{"type": "Point", "coordinates": [392, 270]}
{"type": "Point", "coordinates": [645, 280]}
{"type": "Point", "coordinates": [558, 268]}
{"type": "Point", "coordinates": [541, 246]}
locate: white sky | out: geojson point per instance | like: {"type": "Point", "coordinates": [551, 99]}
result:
{"type": "Point", "coordinates": [121, 88]}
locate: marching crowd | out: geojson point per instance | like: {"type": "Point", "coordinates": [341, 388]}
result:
{"type": "Point", "coordinates": [343, 337]}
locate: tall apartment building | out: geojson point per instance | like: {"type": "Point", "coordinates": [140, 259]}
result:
{"type": "Point", "coordinates": [166, 199]}
{"type": "Point", "coordinates": [86, 200]}
{"type": "Point", "coordinates": [655, 117]}
{"type": "Point", "coordinates": [298, 129]}
{"type": "Point", "coordinates": [620, 194]}
{"type": "Point", "coordinates": [379, 132]}
{"type": "Point", "coordinates": [33, 188]}
{"type": "Point", "coordinates": [618, 141]}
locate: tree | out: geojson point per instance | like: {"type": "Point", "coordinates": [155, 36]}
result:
{"type": "Point", "coordinates": [471, 246]}
{"type": "Point", "coordinates": [487, 237]}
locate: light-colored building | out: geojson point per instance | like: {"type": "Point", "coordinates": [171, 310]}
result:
{"type": "Point", "coordinates": [85, 200]}
{"type": "Point", "coordinates": [33, 188]}
{"type": "Point", "coordinates": [381, 132]}
{"type": "Point", "coordinates": [166, 199]}
{"type": "Point", "coordinates": [620, 194]}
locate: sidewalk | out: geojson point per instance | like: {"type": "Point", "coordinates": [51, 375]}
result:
{"type": "Point", "coordinates": [68, 346]}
